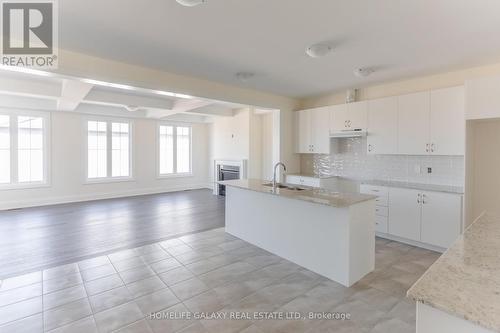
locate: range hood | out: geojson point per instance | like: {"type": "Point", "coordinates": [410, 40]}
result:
{"type": "Point", "coordinates": [351, 133]}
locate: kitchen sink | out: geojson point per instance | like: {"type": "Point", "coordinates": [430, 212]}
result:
{"type": "Point", "coordinates": [288, 187]}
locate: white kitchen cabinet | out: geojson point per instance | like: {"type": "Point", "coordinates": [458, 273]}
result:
{"type": "Point", "coordinates": [303, 180]}
{"type": "Point", "coordinates": [383, 126]}
{"type": "Point", "coordinates": [405, 211]}
{"type": "Point", "coordinates": [482, 96]}
{"type": "Point", "coordinates": [313, 129]}
{"type": "Point", "coordinates": [348, 117]}
{"type": "Point", "coordinates": [413, 124]}
{"type": "Point", "coordinates": [441, 218]}
{"type": "Point", "coordinates": [381, 205]}
{"type": "Point", "coordinates": [447, 121]}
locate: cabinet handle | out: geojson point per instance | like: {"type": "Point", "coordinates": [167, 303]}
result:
{"type": "Point", "coordinates": [369, 147]}
{"type": "Point", "coordinates": [427, 147]}
{"type": "Point", "coordinates": [423, 199]}
{"type": "Point", "coordinates": [432, 147]}
{"type": "Point", "coordinates": [345, 123]}
{"type": "Point", "coordinates": [418, 198]}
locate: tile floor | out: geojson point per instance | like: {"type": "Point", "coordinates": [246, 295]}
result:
{"type": "Point", "coordinates": [204, 273]}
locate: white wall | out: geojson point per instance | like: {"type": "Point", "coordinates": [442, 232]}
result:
{"type": "Point", "coordinates": [68, 166]}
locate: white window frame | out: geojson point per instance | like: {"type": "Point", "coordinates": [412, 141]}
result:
{"type": "Point", "coordinates": [109, 178]}
{"type": "Point", "coordinates": [14, 179]}
{"type": "Point", "coordinates": [175, 174]}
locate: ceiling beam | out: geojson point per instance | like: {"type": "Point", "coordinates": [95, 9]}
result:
{"type": "Point", "coordinates": [72, 94]}
{"type": "Point", "coordinates": [30, 88]}
{"type": "Point", "coordinates": [112, 98]}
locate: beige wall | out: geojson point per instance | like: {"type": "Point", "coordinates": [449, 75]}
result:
{"type": "Point", "coordinates": [484, 144]}
{"type": "Point", "coordinates": [405, 86]}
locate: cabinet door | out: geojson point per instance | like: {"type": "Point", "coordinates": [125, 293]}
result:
{"type": "Point", "coordinates": [304, 131]}
{"type": "Point", "coordinates": [447, 124]}
{"type": "Point", "coordinates": [357, 115]}
{"type": "Point", "coordinates": [483, 98]}
{"type": "Point", "coordinates": [383, 126]}
{"type": "Point", "coordinates": [338, 118]}
{"type": "Point", "coordinates": [320, 130]}
{"type": "Point", "coordinates": [441, 218]}
{"type": "Point", "coordinates": [413, 123]}
{"type": "Point", "coordinates": [404, 213]}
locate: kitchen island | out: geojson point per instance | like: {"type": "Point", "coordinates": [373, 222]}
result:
{"type": "Point", "coordinates": [329, 233]}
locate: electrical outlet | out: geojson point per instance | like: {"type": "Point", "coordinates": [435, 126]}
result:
{"type": "Point", "coordinates": [429, 170]}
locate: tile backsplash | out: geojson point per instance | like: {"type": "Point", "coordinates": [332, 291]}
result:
{"type": "Point", "coordinates": [348, 158]}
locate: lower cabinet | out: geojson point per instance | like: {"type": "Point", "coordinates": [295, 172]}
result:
{"type": "Point", "coordinates": [303, 180]}
{"type": "Point", "coordinates": [433, 218]}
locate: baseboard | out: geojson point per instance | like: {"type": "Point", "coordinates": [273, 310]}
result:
{"type": "Point", "coordinates": [410, 242]}
{"type": "Point", "coordinates": [16, 204]}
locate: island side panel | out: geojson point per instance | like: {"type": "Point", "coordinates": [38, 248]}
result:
{"type": "Point", "coordinates": [311, 235]}
{"type": "Point", "coordinates": [361, 240]}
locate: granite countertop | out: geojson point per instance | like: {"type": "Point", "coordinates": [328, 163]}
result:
{"type": "Point", "coordinates": [416, 186]}
{"type": "Point", "coordinates": [465, 280]}
{"type": "Point", "coordinates": [314, 195]}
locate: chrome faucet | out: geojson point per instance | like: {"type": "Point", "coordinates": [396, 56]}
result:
{"type": "Point", "coordinates": [275, 168]}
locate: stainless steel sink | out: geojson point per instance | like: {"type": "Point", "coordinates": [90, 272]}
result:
{"type": "Point", "coordinates": [288, 187]}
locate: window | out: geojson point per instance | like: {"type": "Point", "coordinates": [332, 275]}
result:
{"type": "Point", "coordinates": [108, 149]}
{"type": "Point", "coordinates": [23, 151]}
{"type": "Point", "coordinates": [174, 150]}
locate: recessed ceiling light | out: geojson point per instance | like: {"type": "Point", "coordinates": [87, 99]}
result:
{"type": "Point", "coordinates": [191, 3]}
{"type": "Point", "coordinates": [244, 76]}
{"type": "Point", "coordinates": [319, 50]}
{"type": "Point", "coordinates": [363, 72]}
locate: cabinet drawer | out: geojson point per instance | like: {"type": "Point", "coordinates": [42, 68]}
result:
{"type": "Point", "coordinates": [382, 201]}
{"type": "Point", "coordinates": [380, 191]}
{"type": "Point", "coordinates": [381, 224]}
{"type": "Point", "coordinates": [381, 211]}
{"type": "Point", "coordinates": [295, 180]}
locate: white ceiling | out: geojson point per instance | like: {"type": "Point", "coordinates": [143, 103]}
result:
{"type": "Point", "coordinates": [268, 37]}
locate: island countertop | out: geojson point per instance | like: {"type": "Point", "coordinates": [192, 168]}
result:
{"type": "Point", "coordinates": [314, 195]}
{"type": "Point", "coordinates": [465, 280]}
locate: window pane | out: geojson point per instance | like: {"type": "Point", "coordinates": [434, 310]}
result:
{"type": "Point", "coordinates": [30, 149]}
{"type": "Point", "coordinates": [97, 149]}
{"type": "Point", "coordinates": [120, 150]}
{"type": "Point", "coordinates": [4, 149]}
{"type": "Point", "coordinates": [183, 150]}
{"type": "Point", "coordinates": [166, 150]}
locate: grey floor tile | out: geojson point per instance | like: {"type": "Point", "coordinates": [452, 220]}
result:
{"type": "Point", "coordinates": [20, 294]}
{"type": "Point", "coordinates": [64, 296]}
{"type": "Point", "coordinates": [140, 326]}
{"type": "Point", "coordinates": [156, 301]}
{"type": "Point", "coordinates": [208, 301]}
{"type": "Point", "coordinates": [252, 329]}
{"type": "Point", "coordinates": [194, 328]}
{"type": "Point", "coordinates": [189, 288]}
{"type": "Point", "coordinates": [203, 266]}
{"type": "Point", "coordinates": [165, 265]}
{"type": "Point", "coordinates": [146, 286]}
{"type": "Point", "coordinates": [109, 299]}
{"type": "Point", "coordinates": [171, 243]}
{"type": "Point", "coordinates": [21, 281]}
{"type": "Point", "coordinates": [60, 270]}
{"type": "Point", "coordinates": [85, 325]}
{"type": "Point", "coordinates": [66, 314]}
{"type": "Point", "coordinates": [31, 324]}
{"type": "Point", "coordinates": [61, 282]}
{"type": "Point", "coordinates": [126, 264]}
{"type": "Point", "coordinates": [155, 256]}
{"type": "Point", "coordinates": [93, 262]}
{"type": "Point", "coordinates": [118, 317]}
{"type": "Point", "coordinates": [136, 274]}
{"type": "Point", "coordinates": [97, 272]}
{"type": "Point", "coordinates": [180, 249]}
{"type": "Point", "coordinates": [121, 255]}
{"type": "Point", "coordinates": [393, 325]}
{"type": "Point", "coordinates": [20, 310]}
{"type": "Point", "coordinates": [103, 284]}
{"type": "Point", "coordinates": [176, 275]}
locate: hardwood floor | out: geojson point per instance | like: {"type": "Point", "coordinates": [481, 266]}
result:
{"type": "Point", "coordinates": [41, 237]}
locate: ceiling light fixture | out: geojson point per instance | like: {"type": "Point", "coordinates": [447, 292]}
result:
{"type": "Point", "coordinates": [319, 50]}
{"type": "Point", "coordinates": [191, 3]}
{"type": "Point", "coordinates": [244, 76]}
{"type": "Point", "coordinates": [132, 108]}
{"type": "Point", "coordinates": [363, 72]}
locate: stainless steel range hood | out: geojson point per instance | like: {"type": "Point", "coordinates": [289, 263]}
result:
{"type": "Point", "coordinates": [352, 133]}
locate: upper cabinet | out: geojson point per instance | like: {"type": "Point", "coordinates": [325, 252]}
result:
{"type": "Point", "coordinates": [447, 122]}
{"type": "Point", "coordinates": [483, 98]}
{"type": "Point", "coordinates": [383, 126]}
{"type": "Point", "coordinates": [348, 117]}
{"type": "Point", "coordinates": [413, 123]}
{"type": "Point", "coordinates": [313, 128]}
